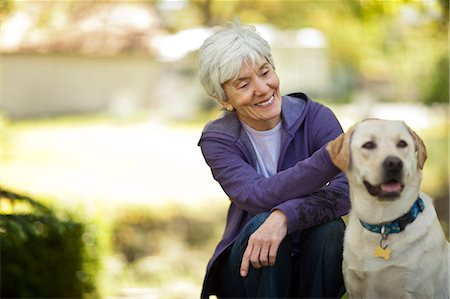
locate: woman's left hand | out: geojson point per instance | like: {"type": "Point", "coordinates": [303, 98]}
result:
{"type": "Point", "coordinates": [263, 244]}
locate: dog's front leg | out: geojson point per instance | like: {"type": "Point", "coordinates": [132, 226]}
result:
{"type": "Point", "coordinates": [355, 282]}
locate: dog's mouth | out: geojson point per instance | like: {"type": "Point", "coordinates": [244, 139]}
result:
{"type": "Point", "coordinates": [389, 190]}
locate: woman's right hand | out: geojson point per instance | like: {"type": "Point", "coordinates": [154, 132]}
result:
{"type": "Point", "coordinates": [263, 244]}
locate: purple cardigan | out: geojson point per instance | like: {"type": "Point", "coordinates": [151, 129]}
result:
{"type": "Point", "coordinates": [308, 188]}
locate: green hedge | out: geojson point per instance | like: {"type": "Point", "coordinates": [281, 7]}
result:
{"type": "Point", "coordinates": [43, 256]}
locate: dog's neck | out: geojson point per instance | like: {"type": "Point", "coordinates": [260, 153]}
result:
{"type": "Point", "coordinates": [399, 224]}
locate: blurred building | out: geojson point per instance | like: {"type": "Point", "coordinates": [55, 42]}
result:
{"type": "Point", "coordinates": [115, 57]}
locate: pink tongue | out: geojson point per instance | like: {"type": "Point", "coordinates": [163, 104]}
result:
{"type": "Point", "coordinates": [391, 187]}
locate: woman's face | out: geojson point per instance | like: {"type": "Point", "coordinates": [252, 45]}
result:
{"type": "Point", "coordinates": [255, 95]}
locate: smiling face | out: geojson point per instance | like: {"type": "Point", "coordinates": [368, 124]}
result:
{"type": "Point", "coordinates": [255, 95]}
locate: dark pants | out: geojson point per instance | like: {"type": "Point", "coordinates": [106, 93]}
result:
{"type": "Point", "coordinates": [314, 273]}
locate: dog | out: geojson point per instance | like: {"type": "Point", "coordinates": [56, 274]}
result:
{"type": "Point", "coordinates": [394, 245]}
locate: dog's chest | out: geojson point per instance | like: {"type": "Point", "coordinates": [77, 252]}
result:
{"type": "Point", "coordinates": [368, 252]}
{"type": "Point", "coordinates": [371, 275]}
{"type": "Point", "coordinates": [414, 258]}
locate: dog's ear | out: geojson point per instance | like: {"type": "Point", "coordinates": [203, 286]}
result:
{"type": "Point", "coordinates": [339, 150]}
{"type": "Point", "coordinates": [421, 149]}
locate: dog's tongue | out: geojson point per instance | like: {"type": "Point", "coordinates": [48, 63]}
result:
{"type": "Point", "coordinates": [391, 187]}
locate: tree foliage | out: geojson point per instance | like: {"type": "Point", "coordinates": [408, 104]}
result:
{"type": "Point", "coordinates": [371, 43]}
{"type": "Point", "coordinates": [374, 43]}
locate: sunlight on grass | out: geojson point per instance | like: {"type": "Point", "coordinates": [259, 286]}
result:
{"type": "Point", "coordinates": [131, 163]}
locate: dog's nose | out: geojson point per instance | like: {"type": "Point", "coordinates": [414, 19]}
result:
{"type": "Point", "coordinates": [392, 163]}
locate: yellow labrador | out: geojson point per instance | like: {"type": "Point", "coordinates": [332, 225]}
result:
{"type": "Point", "coordinates": [394, 246]}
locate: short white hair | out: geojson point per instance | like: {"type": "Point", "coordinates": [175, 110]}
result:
{"type": "Point", "coordinates": [223, 54]}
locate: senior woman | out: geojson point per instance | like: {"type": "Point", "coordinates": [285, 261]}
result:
{"type": "Point", "coordinates": [283, 235]}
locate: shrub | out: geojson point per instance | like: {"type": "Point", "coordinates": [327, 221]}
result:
{"type": "Point", "coordinates": [43, 256]}
{"type": "Point", "coordinates": [139, 232]}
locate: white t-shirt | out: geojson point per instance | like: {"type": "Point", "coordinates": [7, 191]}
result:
{"type": "Point", "coordinates": [267, 148]}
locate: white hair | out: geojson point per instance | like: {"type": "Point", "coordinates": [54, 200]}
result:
{"type": "Point", "coordinates": [223, 54]}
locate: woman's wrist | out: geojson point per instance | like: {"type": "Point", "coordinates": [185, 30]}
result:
{"type": "Point", "coordinates": [279, 217]}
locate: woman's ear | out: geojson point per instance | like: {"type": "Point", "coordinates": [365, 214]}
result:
{"type": "Point", "coordinates": [225, 105]}
{"type": "Point", "coordinates": [229, 108]}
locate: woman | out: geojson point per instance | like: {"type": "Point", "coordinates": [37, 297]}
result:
{"type": "Point", "coordinates": [283, 235]}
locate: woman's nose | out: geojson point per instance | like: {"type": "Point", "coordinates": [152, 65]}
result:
{"type": "Point", "coordinates": [261, 87]}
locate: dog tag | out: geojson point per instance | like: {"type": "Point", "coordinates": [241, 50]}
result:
{"type": "Point", "coordinates": [384, 253]}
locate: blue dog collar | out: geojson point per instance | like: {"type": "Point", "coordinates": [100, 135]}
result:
{"type": "Point", "coordinates": [399, 224]}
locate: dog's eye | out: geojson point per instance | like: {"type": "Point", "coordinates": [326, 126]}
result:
{"type": "Point", "coordinates": [402, 144]}
{"type": "Point", "coordinates": [369, 145]}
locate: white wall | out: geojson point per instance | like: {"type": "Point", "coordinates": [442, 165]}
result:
{"type": "Point", "coordinates": [41, 85]}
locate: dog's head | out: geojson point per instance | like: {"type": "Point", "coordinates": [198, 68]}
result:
{"type": "Point", "coordinates": [380, 155]}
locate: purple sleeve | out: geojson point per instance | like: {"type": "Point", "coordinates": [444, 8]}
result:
{"type": "Point", "coordinates": [323, 206]}
{"type": "Point", "coordinates": [328, 203]}
{"type": "Point", "coordinates": [255, 193]}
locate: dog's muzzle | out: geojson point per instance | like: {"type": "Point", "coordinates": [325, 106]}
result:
{"type": "Point", "coordinates": [392, 185]}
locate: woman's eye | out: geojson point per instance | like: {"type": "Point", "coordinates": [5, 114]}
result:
{"type": "Point", "coordinates": [243, 85]}
{"type": "Point", "coordinates": [369, 145]}
{"type": "Point", "coordinates": [402, 144]}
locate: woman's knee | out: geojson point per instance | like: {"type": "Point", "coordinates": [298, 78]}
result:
{"type": "Point", "coordinates": [253, 225]}
{"type": "Point", "coordinates": [333, 228]}
{"type": "Point", "coordinates": [330, 235]}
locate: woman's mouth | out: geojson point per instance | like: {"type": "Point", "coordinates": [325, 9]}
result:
{"type": "Point", "coordinates": [266, 103]}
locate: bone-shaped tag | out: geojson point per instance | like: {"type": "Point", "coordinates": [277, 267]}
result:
{"type": "Point", "coordinates": [384, 253]}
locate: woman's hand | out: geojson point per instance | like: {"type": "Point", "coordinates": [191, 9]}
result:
{"type": "Point", "coordinates": [263, 244]}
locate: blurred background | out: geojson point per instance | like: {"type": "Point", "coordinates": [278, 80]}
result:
{"type": "Point", "coordinates": [103, 190]}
